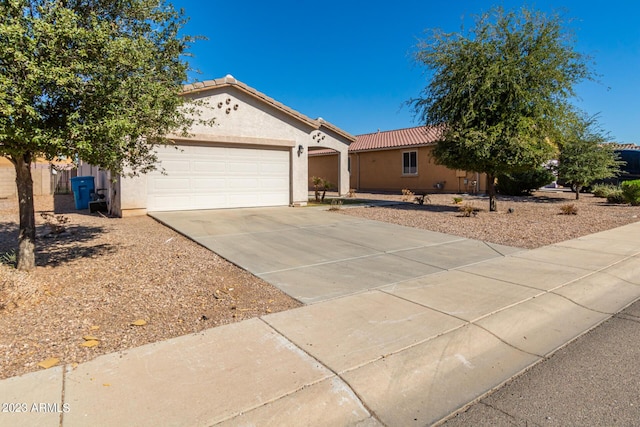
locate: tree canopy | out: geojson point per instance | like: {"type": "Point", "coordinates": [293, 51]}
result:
{"type": "Point", "coordinates": [584, 155]}
{"type": "Point", "coordinates": [498, 90]}
{"type": "Point", "coordinates": [92, 79]}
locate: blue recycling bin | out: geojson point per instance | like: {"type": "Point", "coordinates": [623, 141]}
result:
{"type": "Point", "coordinates": [82, 187]}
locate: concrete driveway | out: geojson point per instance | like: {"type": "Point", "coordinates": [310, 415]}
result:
{"type": "Point", "coordinates": [315, 255]}
{"type": "Point", "coordinates": [405, 327]}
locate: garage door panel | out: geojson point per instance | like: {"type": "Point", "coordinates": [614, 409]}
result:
{"type": "Point", "coordinates": [245, 184]}
{"type": "Point", "coordinates": [172, 184]}
{"type": "Point", "coordinates": [272, 199]}
{"type": "Point", "coordinates": [208, 184]}
{"type": "Point", "coordinates": [241, 153]}
{"type": "Point", "coordinates": [243, 168]}
{"type": "Point", "coordinates": [274, 184]}
{"type": "Point", "coordinates": [206, 177]}
{"type": "Point", "coordinates": [172, 200]}
{"type": "Point", "coordinates": [243, 199]}
{"type": "Point", "coordinates": [274, 168]}
{"type": "Point", "coordinates": [204, 201]}
{"type": "Point", "coordinates": [176, 165]}
{"type": "Point", "coordinates": [209, 167]}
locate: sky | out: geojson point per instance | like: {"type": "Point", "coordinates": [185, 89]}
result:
{"type": "Point", "coordinates": [351, 62]}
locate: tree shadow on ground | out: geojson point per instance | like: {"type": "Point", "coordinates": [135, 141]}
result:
{"type": "Point", "coordinates": [535, 199]}
{"type": "Point", "coordinates": [57, 249]}
{"type": "Point", "coordinates": [64, 204]}
{"type": "Point", "coordinates": [429, 207]}
{"type": "Point", "coordinates": [8, 237]}
{"type": "Point", "coordinates": [73, 244]}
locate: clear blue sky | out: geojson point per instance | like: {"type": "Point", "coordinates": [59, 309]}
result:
{"type": "Point", "coordinates": [350, 62]}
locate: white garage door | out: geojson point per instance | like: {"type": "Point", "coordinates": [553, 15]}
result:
{"type": "Point", "coordinates": [200, 177]}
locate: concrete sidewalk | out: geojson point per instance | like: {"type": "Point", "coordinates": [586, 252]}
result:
{"type": "Point", "coordinates": [409, 352]}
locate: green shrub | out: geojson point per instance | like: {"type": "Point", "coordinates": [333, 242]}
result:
{"type": "Point", "coordinates": [604, 190]}
{"type": "Point", "coordinates": [631, 191]}
{"type": "Point", "coordinates": [9, 258]}
{"type": "Point", "coordinates": [616, 197]}
{"type": "Point", "coordinates": [524, 183]}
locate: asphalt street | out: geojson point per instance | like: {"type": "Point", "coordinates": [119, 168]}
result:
{"type": "Point", "coordinates": [593, 381]}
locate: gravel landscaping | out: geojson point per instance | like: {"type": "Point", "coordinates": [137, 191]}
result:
{"type": "Point", "coordinates": [104, 274]}
{"type": "Point", "coordinates": [108, 284]}
{"type": "Point", "coordinates": [523, 222]}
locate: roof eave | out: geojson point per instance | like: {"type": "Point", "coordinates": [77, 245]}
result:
{"type": "Point", "coordinates": [230, 81]}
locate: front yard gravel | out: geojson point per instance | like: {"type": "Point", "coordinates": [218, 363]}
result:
{"type": "Point", "coordinates": [103, 274]}
{"type": "Point", "coordinates": [533, 221]}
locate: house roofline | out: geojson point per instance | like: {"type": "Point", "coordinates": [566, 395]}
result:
{"type": "Point", "coordinates": [230, 81]}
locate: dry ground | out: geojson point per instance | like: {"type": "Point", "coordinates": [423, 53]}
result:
{"type": "Point", "coordinates": [535, 221]}
{"type": "Point", "coordinates": [103, 273]}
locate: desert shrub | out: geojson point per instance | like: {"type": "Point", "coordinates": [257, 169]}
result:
{"type": "Point", "coordinates": [407, 195]}
{"type": "Point", "coordinates": [468, 209]}
{"type": "Point", "coordinates": [631, 191]}
{"type": "Point", "coordinates": [422, 199]}
{"type": "Point", "coordinates": [457, 200]}
{"type": "Point", "coordinates": [55, 223]}
{"type": "Point", "coordinates": [616, 197]}
{"type": "Point", "coordinates": [604, 190]}
{"type": "Point", "coordinates": [336, 205]}
{"type": "Point", "coordinates": [524, 183]}
{"type": "Point", "coordinates": [569, 209]}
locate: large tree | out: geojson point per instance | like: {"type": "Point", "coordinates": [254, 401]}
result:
{"type": "Point", "coordinates": [97, 80]}
{"type": "Point", "coordinates": [497, 91]}
{"type": "Point", "coordinates": [584, 155]}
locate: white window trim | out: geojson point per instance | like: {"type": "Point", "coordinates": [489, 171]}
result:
{"type": "Point", "coordinates": [403, 168]}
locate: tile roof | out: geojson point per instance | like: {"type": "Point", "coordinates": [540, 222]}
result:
{"type": "Point", "coordinates": [385, 140]}
{"type": "Point", "coordinates": [229, 80]}
{"type": "Point", "coordinates": [419, 135]}
{"type": "Point", "coordinates": [617, 146]}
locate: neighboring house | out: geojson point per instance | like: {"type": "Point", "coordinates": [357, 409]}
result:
{"type": "Point", "coordinates": [630, 154]}
{"type": "Point", "coordinates": [394, 160]}
{"type": "Point", "coordinates": [43, 175]}
{"type": "Point", "coordinates": [254, 155]}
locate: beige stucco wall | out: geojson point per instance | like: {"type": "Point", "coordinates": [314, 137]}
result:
{"type": "Point", "coordinates": [243, 120]}
{"type": "Point", "coordinates": [324, 166]}
{"type": "Point", "coordinates": [381, 170]}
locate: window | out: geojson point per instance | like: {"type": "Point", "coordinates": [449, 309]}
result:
{"type": "Point", "coordinates": [410, 163]}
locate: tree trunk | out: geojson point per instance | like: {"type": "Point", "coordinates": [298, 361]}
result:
{"type": "Point", "coordinates": [491, 192]}
{"type": "Point", "coordinates": [27, 236]}
{"type": "Point", "coordinates": [578, 188]}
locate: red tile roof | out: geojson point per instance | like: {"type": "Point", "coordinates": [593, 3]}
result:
{"type": "Point", "coordinates": [419, 135]}
{"type": "Point", "coordinates": [390, 139]}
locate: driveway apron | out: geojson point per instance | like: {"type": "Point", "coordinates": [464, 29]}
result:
{"type": "Point", "coordinates": [315, 255]}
